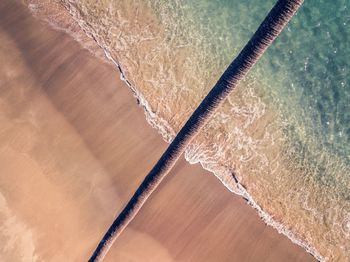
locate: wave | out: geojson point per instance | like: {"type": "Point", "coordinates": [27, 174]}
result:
{"type": "Point", "coordinates": [196, 153]}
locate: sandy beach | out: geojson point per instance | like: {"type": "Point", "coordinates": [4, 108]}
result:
{"type": "Point", "coordinates": [74, 145]}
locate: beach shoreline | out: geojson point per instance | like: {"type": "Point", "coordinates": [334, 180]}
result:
{"type": "Point", "coordinates": [71, 25]}
{"type": "Point", "coordinates": [59, 65]}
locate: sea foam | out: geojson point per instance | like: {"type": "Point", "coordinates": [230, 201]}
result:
{"type": "Point", "coordinates": [257, 144]}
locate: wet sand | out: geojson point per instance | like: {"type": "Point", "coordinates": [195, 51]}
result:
{"type": "Point", "coordinates": [74, 146]}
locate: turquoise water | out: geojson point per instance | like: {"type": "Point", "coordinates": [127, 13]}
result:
{"type": "Point", "coordinates": [284, 133]}
{"type": "Point", "coordinates": [315, 68]}
{"type": "Point", "coordinates": [310, 60]}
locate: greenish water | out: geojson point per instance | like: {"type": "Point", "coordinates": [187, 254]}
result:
{"type": "Point", "coordinates": [284, 133]}
{"type": "Point", "coordinates": [308, 64]}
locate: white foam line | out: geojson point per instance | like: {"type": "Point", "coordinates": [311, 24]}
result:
{"type": "Point", "coordinates": [168, 134]}
{"type": "Point", "coordinates": [156, 122]}
{"type": "Point", "coordinates": [268, 219]}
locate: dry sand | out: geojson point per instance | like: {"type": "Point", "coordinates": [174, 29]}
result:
{"type": "Point", "coordinates": [74, 146]}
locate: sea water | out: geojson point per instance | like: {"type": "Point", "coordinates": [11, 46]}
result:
{"type": "Point", "coordinates": [282, 139]}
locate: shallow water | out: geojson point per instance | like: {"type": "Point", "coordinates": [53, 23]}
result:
{"type": "Point", "coordinates": [284, 133]}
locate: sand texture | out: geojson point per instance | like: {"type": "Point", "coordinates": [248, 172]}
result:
{"type": "Point", "coordinates": [74, 146]}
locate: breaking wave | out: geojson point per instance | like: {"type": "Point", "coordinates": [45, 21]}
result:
{"type": "Point", "coordinates": [281, 140]}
